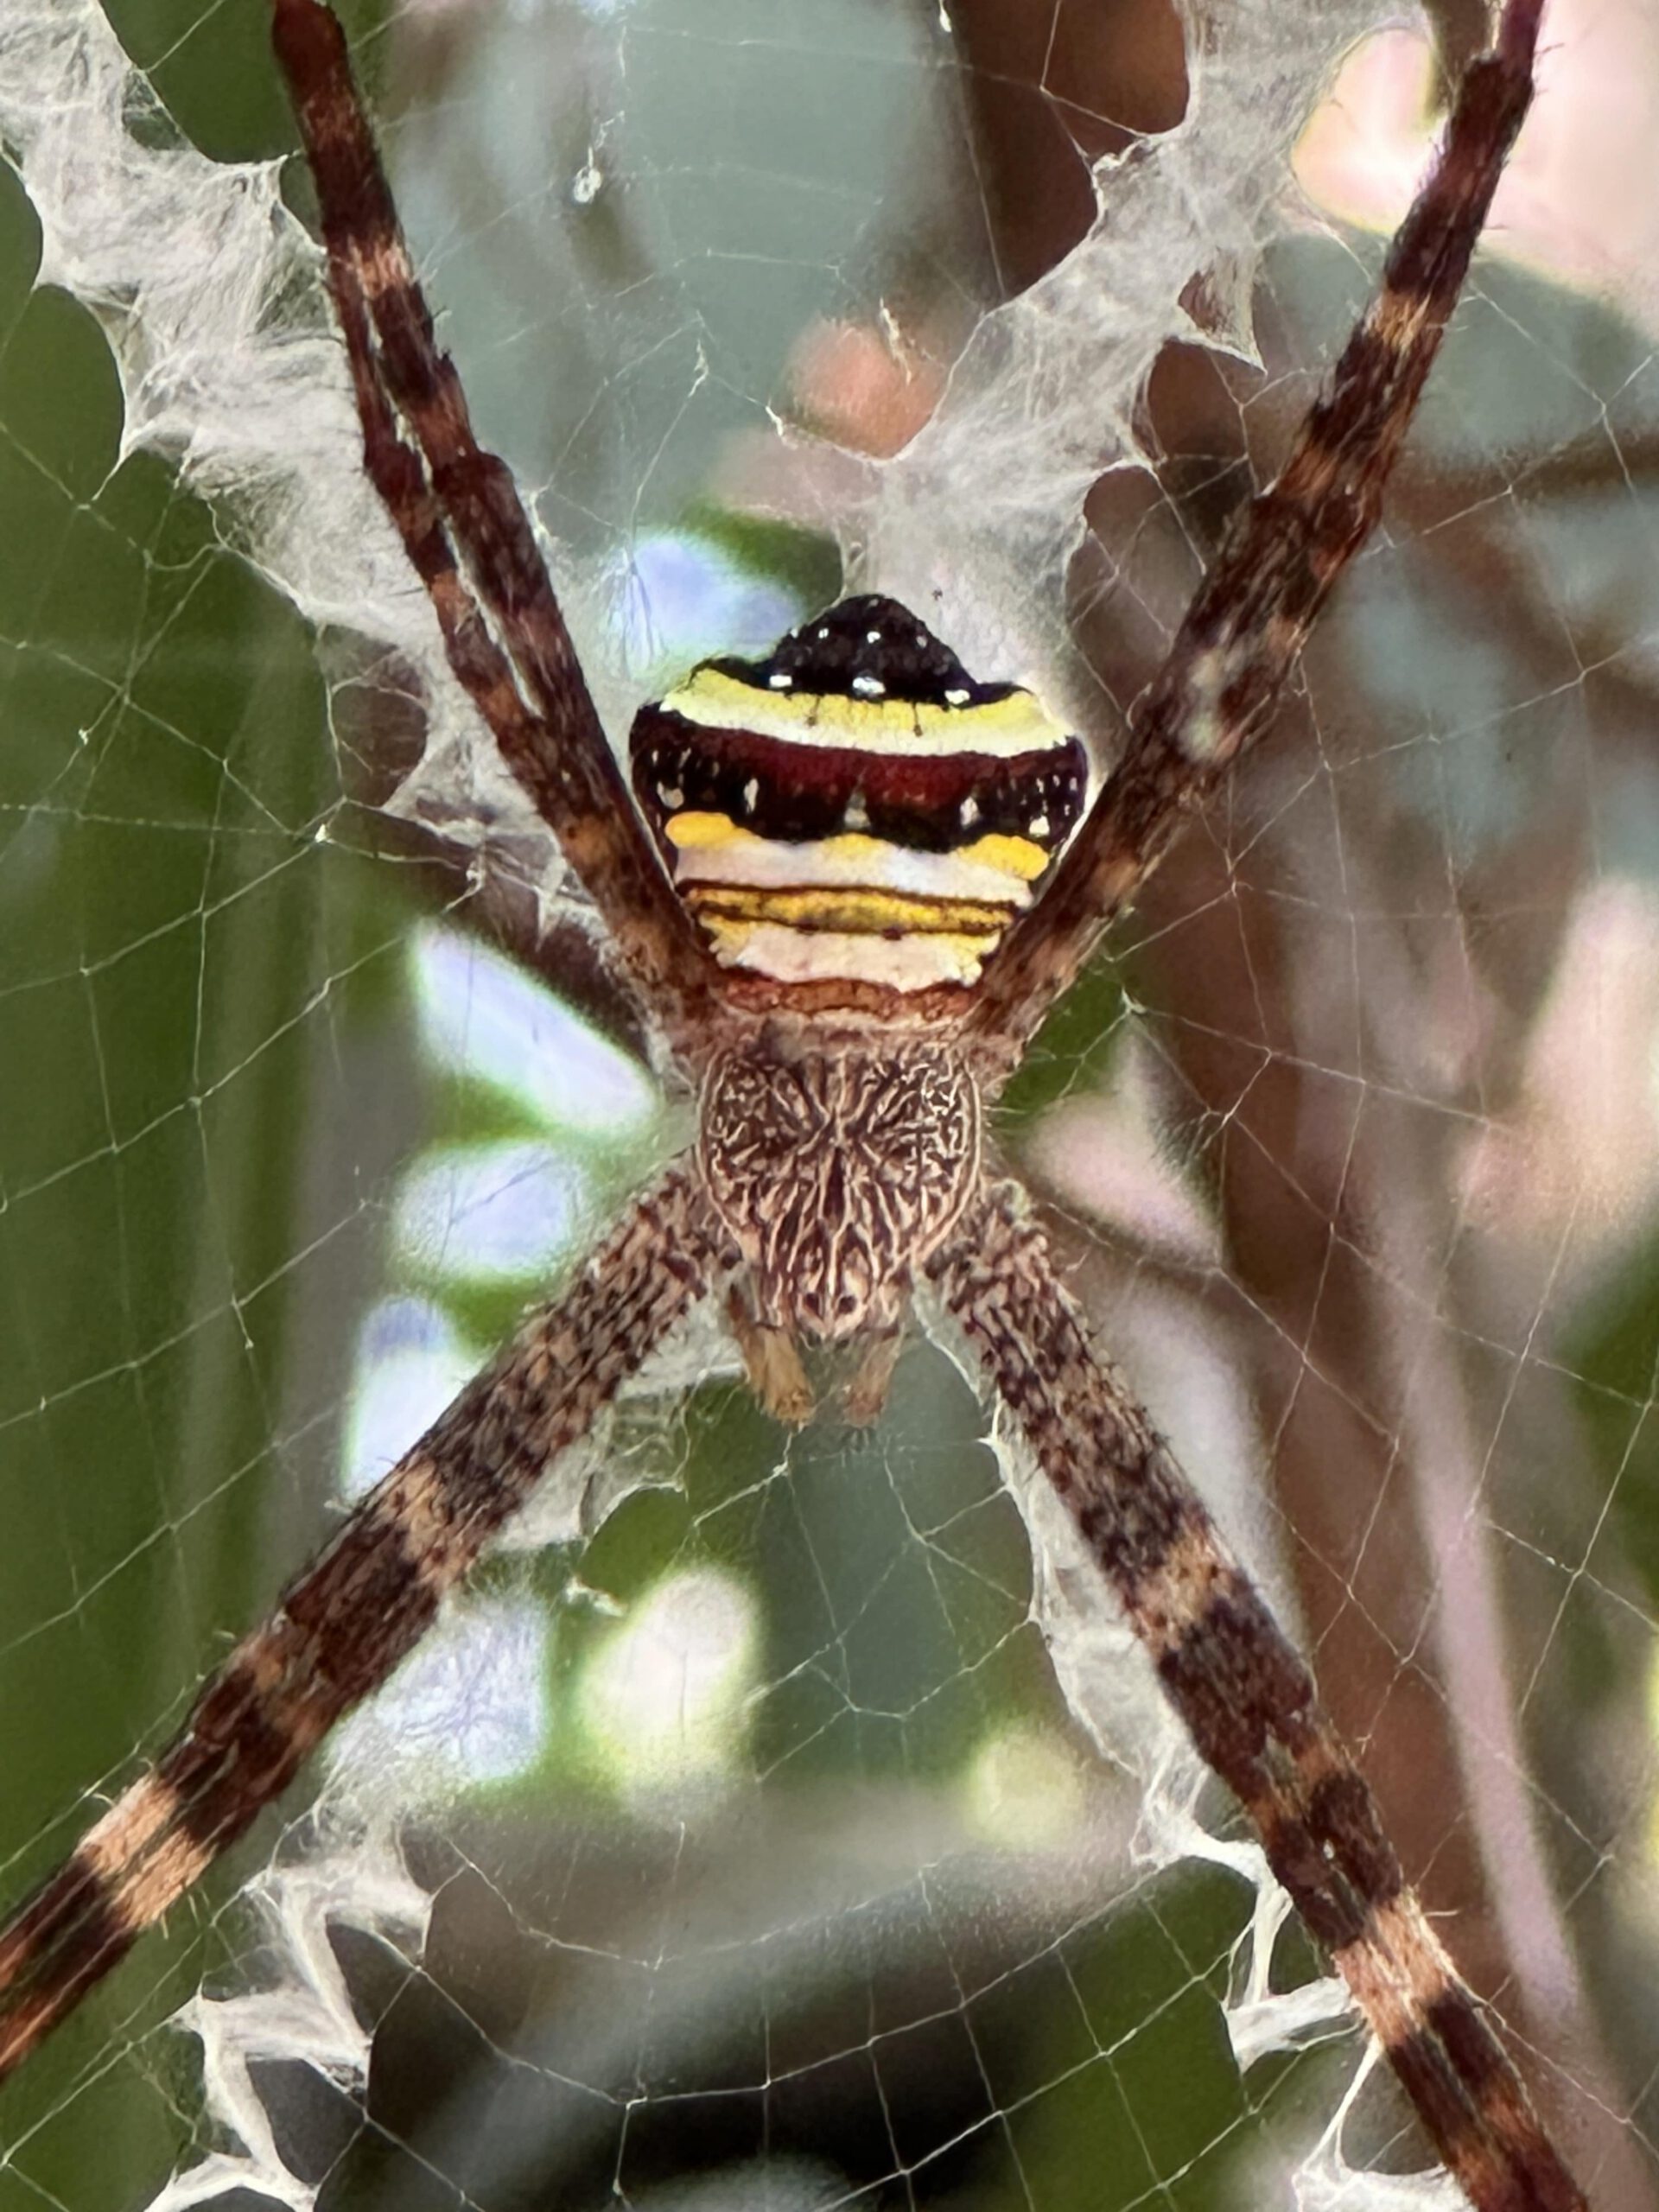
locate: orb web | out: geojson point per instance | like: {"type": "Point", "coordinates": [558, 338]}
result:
{"type": "Point", "coordinates": [787, 1819]}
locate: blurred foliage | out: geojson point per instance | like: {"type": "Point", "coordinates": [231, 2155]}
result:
{"type": "Point", "coordinates": [209, 1089]}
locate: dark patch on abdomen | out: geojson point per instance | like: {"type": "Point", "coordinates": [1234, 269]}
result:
{"type": "Point", "coordinates": [803, 793]}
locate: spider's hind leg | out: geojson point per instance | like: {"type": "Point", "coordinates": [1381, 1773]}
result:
{"type": "Point", "coordinates": [1250, 617]}
{"type": "Point", "coordinates": [469, 537]}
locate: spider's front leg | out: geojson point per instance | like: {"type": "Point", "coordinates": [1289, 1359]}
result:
{"type": "Point", "coordinates": [1248, 1703]}
{"type": "Point", "coordinates": [337, 1631]}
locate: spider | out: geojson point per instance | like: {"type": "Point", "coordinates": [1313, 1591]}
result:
{"type": "Point", "coordinates": [846, 883]}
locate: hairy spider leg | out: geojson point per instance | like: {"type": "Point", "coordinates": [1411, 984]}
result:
{"type": "Point", "coordinates": [1248, 1703]}
{"type": "Point", "coordinates": [340, 1629]}
{"type": "Point", "coordinates": [1216, 690]}
{"type": "Point", "coordinates": [346, 1622]}
{"type": "Point", "coordinates": [445, 493]}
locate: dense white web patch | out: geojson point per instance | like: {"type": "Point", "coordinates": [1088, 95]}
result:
{"type": "Point", "coordinates": [1379, 1209]}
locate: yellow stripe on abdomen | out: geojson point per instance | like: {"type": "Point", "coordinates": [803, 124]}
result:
{"type": "Point", "coordinates": [855, 910]}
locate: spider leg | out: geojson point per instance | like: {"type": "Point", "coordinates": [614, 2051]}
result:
{"type": "Point", "coordinates": [1250, 619]}
{"type": "Point", "coordinates": [466, 531]}
{"type": "Point", "coordinates": [1248, 1703]}
{"type": "Point", "coordinates": [337, 1632]}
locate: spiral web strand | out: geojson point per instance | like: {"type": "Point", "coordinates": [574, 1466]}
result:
{"type": "Point", "coordinates": [1370, 1182]}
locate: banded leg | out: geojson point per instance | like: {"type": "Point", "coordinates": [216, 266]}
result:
{"type": "Point", "coordinates": [337, 1631]}
{"type": "Point", "coordinates": [1250, 1705]}
{"type": "Point", "coordinates": [1221, 679]}
{"type": "Point", "coordinates": [466, 531]}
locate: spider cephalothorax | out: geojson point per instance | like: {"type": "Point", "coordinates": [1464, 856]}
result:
{"type": "Point", "coordinates": [839, 1168]}
{"type": "Point", "coordinates": [853, 880]}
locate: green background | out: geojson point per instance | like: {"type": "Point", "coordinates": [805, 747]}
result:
{"type": "Point", "coordinates": [209, 1080]}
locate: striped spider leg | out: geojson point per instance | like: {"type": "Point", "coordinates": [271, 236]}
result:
{"type": "Point", "coordinates": [1245, 1696]}
{"type": "Point", "coordinates": [829, 901]}
{"type": "Point", "coordinates": [465, 530]}
{"type": "Point", "coordinates": [1248, 1703]}
{"type": "Point", "coordinates": [342, 1627]}
{"type": "Point", "coordinates": [1251, 614]}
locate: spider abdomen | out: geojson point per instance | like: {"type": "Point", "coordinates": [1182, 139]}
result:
{"type": "Point", "coordinates": [855, 807]}
{"type": "Point", "coordinates": [837, 1175]}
